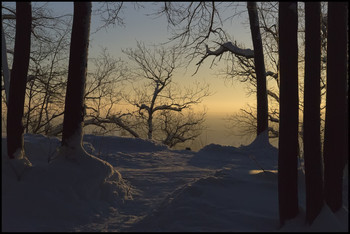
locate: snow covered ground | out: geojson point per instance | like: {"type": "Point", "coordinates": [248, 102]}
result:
{"type": "Point", "coordinates": [151, 188]}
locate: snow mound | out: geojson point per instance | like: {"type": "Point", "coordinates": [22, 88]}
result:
{"type": "Point", "coordinates": [264, 155]}
{"type": "Point", "coordinates": [224, 201]}
{"type": "Point", "coordinates": [215, 156]}
{"type": "Point", "coordinates": [229, 200]}
{"type": "Point", "coordinates": [39, 148]}
{"type": "Point", "coordinates": [111, 144]}
{"type": "Point", "coordinates": [58, 192]}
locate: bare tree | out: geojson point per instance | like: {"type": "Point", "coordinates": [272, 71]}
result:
{"type": "Point", "coordinates": [336, 142]}
{"type": "Point", "coordinates": [179, 127]}
{"type": "Point", "coordinates": [242, 69]}
{"type": "Point", "coordinates": [194, 23]}
{"type": "Point", "coordinates": [200, 21]}
{"type": "Point", "coordinates": [245, 118]}
{"type": "Point", "coordinates": [104, 93]}
{"type": "Point", "coordinates": [262, 105]}
{"type": "Point", "coordinates": [44, 89]}
{"type": "Point", "coordinates": [47, 76]}
{"type": "Point", "coordinates": [110, 14]}
{"type": "Point", "coordinates": [312, 101]}
{"type": "Point", "coordinates": [288, 149]}
{"type": "Point", "coordinates": [48, 70]}
{"type": "Point", "coordinates": [46, 81]}
{"type": "Point", "coordinates": [15, 145]}
{"type": "Point", "coordinates": [159, 95]}
{"type": "Point", "coordinates": [47, 67]}
{"type": "Point", "coordinates": [74, 105]}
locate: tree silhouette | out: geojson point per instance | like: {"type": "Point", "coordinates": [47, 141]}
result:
{"type": "Point", "coordinates": [288, 125]}
{"type": "Point", "coordinates": [158, 101]}
{"type": "Point", "coordinates": [47, 72]}
{"type": "Point", "coordinates": [74, 104]}
{"type": "Point", "coordinates": [18, 81]}
{"type": "Point", "coordinates": [262, 104]}
{"type": "Point", "coordinates": [312, 101]}
{"type": "Point", "coordinates": [335, 142]}
{"type": "Point", "coordinates": [194, 24]}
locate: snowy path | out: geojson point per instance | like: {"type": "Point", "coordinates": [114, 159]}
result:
{"type": "Point", "coordinates": [153, 176]}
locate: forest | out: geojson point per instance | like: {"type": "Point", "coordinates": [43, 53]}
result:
{"type": "Point", "coordinates": [138, 180]}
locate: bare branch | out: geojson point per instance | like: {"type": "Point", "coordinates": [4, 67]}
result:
{"type": "Point", "coordinates": [273, 95]}
{"type": "Point", "coordinates": [228, 46]}
{"type": "Point", "coordinates": [109, 14]}
{"type": "Point", "coordinates": [159, 95]}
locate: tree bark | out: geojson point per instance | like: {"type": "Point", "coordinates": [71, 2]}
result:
{"type": "Point", "coordinates": [74, 103]}
{"type": "Point", "coordinates": [312, 101]}
{"type": "Point", "coordinates": [262, 104]}
{"type": "Point", "coordinates": [288, 126]}
{"type": "Point", "coordinates": [335, 142]}
{"type": "Point", "coordinates": [18, 80]}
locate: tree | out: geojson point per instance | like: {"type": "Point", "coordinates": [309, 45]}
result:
{"type": "Point", "coordinates": [104, 92]}
{"type": "Point", "coordinates": [158, 97]}
{"type": "Point", "coordinates": [262, 105]}
{"type": "Point", "coordinates": [289, 111]}
{"type": "Point", "coordinates": [243, 70]}
{"type": "Point", "coordinates": [245, 119]}
{"type": "Point", "coordinates": [74, 103]}
{"type": "Point", "coordinates": [46, 80]}
{"type": "Point", "coordinates": [15, 146]}
{"type": "Point", "coordinates": [312, 101]}
{"type": "Point", "coordinates": [335, 142]}
{"type": "Point", "coordinates": [257, 54]}
{"type": "Point", "coordinates": [44, 104]}
{"type": "Point", "coordinates": [179, 127]}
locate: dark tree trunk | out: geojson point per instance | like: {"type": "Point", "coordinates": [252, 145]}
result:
{"type": "Point", "coordinates": [18, 78]}
{"type": "Point", "coordinates": [74, 103]}
{"type": "Point", "coordinates": [312, 101]}
{"type": "Point", "coordinates": [335, 142]}
{"type": "Point", "coordinates": [288, 126]}
{"type": "Point", "coordinates": [262, 105]}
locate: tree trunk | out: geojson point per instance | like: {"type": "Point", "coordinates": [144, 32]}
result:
{"type": "Point", "coordinates": [74, 104]}
{"type": "Point", "coordinates": [312, 101]}
{"type": "Point", "coordinates": [262, 104]}
{"type": "Point", "coordinates": [288, 126]}
{"type": "Point", "coordinates": [335, 142]}
{"type": "Point", "coordinates": [18, 80]}
{"type": "Point", "coordinates": [5, 67]}
{"type": "Point", "coordinates": [150, 125]}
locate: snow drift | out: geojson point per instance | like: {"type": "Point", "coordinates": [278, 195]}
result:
{"type": "Point", "coordinates": [129, 184]}
{"type": "Point", "coordinates": [53, 192]}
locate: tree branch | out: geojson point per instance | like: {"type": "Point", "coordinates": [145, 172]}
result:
{"type": "Point", "coordinates": [228, 46]}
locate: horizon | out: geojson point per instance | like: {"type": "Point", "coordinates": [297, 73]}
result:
{"type": "Point", "coordinates": [215, 133]}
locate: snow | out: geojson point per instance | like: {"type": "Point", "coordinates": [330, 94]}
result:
{"type": "Point", "coordinates": [248, 53]}
{"type": "Point", "coordinates": [129, 184]}
{"type": "Point", "coordinates": [227, 46]}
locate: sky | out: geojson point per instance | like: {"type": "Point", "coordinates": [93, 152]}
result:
{"type": "Point", "coordinates": [226, 97]}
